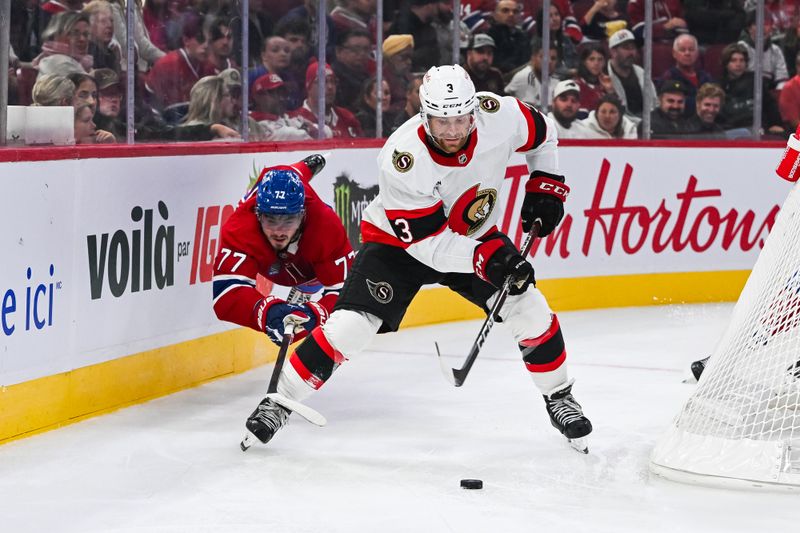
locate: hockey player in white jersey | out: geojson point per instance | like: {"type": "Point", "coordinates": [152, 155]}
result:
{"type": "Point", "coordinates": [435, 221]}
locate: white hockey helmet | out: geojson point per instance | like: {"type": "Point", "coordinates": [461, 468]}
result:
{"type": "Point", "coordinates": [447, 91]}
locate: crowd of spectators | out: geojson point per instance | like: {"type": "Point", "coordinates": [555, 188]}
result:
{"type": "Point", "coordinates": [188, 72]}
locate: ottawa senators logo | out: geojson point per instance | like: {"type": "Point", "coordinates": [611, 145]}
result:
{"type": "Point", "coordinates": [472, 210]}
{"type": "Point", "coordinates": [489, 104]}
{"type": "Point", "coordinates": [402, 161]}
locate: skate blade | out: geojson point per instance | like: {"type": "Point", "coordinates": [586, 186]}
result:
{"type": "Point", "coordinates": [247, 441]}
{"type": "Point", "coordinates": [580, 445]}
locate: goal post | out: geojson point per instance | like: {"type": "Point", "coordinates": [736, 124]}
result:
{"type": "Point", "coordinates": [741, 426]}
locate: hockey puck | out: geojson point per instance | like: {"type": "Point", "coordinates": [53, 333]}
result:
{"type": "Point", "coordinates": [471, 484]}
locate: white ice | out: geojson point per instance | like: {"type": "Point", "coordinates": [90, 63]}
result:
{"type": "Point", "coordinates": [398, 440]}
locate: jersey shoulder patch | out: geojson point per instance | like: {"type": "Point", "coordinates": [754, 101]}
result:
{"type": "Point", "coordinates": [488, 102]}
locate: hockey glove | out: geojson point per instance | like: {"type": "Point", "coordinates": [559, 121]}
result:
{"type": "Point", "coordinates": [494, 260]}
{"type": "Point", "coordinates": [315, 163]}
{"type": "Point", "coordinates": [273, 313]}
{"type": "Point", "coordinates": [544, 199]}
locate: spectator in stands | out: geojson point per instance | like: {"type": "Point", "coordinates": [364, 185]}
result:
{"type": "Point", "coordinates": [86, 131]}
{"type": "Point", "coordinates": [25, 29]}
{"type": "Point", "coordinates": [171, 79]}
{"type": "Point", "coordinates": [685, 53]}
{"type": "Point", "coordinates": [275, 58]}
{"type": "Point", "coordinates": [52, 90]}
{"type": "Point", "coordinates": [209, 103]}
{"type": "Point", "coordinates": [339, 121]}
{"type": "Point", "coordinates": [479, 65]}
{"type": "Point", "coordinates": [398, 51]}
{"type": "Point", "coordinates": [609, 121]}
{"type": "Point", "coordinates": [773, 63]}
{"type": "Point", "coordinates": [269, 96]}
{"type": "Point", "coordinates": [66, 49]}
{"type": "Point", "coordinates": [668, 21]}
{"type": "Point", "coordinates": [260, 27]}
{"type": "Point", "coordinates": [526, 84]}
{"type": "Point", "coordinates": [476, 14]}
{"type": "Point", "coordinates": [443, 23]}
{"type": "Point", "coordinates": [512, 45]}
{"type": "Point", "coordinates": [85, 90]}
{"type": "Point", "coordinates": [308, 13]}
{"type": "Point", "coordinates": [703, 124]}
{"type": "Point", "coordinates": [567, 50]}
{"type": "Point", "coordinates": [147, 52]}
{"type": "Point", "coordinates": [220, 46]}
{"type": "Point", "coordinates": [603, 20]}
{"type": "Point", "coordinates": [738, 84]}
{"type": "Point", "coordinates": [412, 106]}
{"type": "Point", "coordinates": [162, 22]}
{"type": "Point", "coordinates": [416, 18]}
{"type": "Point", "coordinates": [626, 76]}
{"type": "Point", "coordinates": [592, 78]}
{"type": "Point", "coordinates": [714, 21]}
{"type": "Point", "coordinates": [102, 46]}
{"type": "Point", "coordinates": [355, 15]}
{"type": "Point", "coordinates": [232, 82]}
{"type": "Point", "coordinates": [367, 110]}
{"type": "Point", "coordinates": [297, 34]}
{"type": "Point", "coordinates": [789, 99]}
{"type": "Point", "coordinates": [667, 121]}
{"type": "Point", "coordinates": [108, 115]}
{"type": "Point", "coordinates": [566, 102]}
{"type": "Point", "coordinates": [351, 66]}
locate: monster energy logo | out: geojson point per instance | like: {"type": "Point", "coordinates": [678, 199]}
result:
{"type": "Point", "coordinates": [350, 200]}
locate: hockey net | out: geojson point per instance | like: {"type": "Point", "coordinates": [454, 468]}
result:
{"type": "Point", "coordinates": [741, 426]}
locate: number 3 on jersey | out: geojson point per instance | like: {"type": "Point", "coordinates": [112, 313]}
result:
{"type": "Point", "coordinates": [402, 229]}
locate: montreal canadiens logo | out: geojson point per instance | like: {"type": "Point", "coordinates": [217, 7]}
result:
{"type": "Point", "coordinates": [381, 291]}
{"type": "Point", "coordinates": [402, 161]}
{"type": "Point", "coordinates": [489, 104]}
{"type": "Point", "coordinates": [472, 210]}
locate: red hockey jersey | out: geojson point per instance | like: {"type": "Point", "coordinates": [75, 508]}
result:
{"type": "Point", "coordinates": [322, 254]}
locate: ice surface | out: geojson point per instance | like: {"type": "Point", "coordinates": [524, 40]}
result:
{"type": "Point", "coordinates": [398, 440]}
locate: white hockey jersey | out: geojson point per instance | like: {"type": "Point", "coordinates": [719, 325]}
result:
{"type": "Point", "coordinates": [436, 205]}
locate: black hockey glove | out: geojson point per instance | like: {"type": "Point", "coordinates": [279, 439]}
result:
{"type": "Point", "coordinates": [315, 163]}
{"type": "Point", "coordinates": [495, 259]}
{"type": "Point", "coordinates": [544, 199]}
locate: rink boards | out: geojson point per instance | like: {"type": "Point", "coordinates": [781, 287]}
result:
{"type": "Point", "coordinates": [105, 294]}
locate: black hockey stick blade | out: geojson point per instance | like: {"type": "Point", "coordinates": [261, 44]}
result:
{"type": "Point", "coordinates": [456, 376]}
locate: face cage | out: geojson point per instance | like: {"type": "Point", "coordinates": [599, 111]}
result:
{"type": "Point", "coordinates": [426, 122]}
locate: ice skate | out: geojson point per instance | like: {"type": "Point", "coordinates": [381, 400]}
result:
{"type": "Point", "coordinates": [566, 416]}
{"type": "Point", "coordinates": [264, 422]}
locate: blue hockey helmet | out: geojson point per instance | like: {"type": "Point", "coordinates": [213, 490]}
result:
{"type": "Point", "coordinates": [280, 192]}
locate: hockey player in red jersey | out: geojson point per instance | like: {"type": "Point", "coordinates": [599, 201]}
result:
{"type": "Point", "coordinates": [283, 231]}
{"type": "Point", "coordinates": [434, 221]}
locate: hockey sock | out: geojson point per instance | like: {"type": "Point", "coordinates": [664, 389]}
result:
{"type": "Point", "coordinates": [544, 357]}
{"type": "Point", "coordinates": [313, 362]}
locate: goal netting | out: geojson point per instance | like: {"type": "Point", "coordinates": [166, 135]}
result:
{"type": "Point", "coordinates": [741, 426]}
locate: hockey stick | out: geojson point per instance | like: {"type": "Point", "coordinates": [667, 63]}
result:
{"type": "Point", "coordinates": [456, 376]}
{"type": "Point", "coordinates": [303, 410]}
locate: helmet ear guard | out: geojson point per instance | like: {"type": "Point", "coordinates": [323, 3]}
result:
{"type": "Point", "coordinates": [446, 91]}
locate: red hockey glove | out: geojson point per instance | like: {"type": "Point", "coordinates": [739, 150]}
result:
{"type": "Point", "coordinates": [495, 259]}
{"type": "Point", "coordinates": [544, 199]}
{"type": "Point", "coordinates": [789, 167]}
